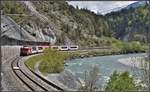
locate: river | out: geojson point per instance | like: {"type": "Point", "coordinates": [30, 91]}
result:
{"type": "Point", "coordinates": [106, 64]}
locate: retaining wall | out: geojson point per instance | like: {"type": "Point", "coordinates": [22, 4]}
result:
{"type": "Point", "coordinates": [8, 52]}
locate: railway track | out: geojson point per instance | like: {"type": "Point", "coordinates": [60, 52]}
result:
{"type": "Point", "coordinates": [32, 83]}
{"type": "Point", "coordinates": [27, 79]}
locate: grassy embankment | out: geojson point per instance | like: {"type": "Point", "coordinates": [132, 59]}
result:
{"type": "Point", "coordinates": [53, 61]}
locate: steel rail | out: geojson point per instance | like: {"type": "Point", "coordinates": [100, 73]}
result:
{"type": "Point", "coordinates": [30, 83]}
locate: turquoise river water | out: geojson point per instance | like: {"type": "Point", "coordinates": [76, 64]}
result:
{"type": "Point", "coordinates": [106, 64]}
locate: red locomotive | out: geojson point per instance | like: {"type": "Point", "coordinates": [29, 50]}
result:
{"type": "Point", "coordinates": [25, 50]}
{"type": "Point", "coordinates": [28, 50]}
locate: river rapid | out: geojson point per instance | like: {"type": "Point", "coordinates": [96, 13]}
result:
{"type": "Point", "coordinates": [107, 65]}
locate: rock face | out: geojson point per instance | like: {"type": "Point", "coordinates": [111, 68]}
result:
{"type": "Point", "coordinates": [32, 31]}
{"type": "Point", "coordinates": [45, 33]}
{"type": "Point", "coordinates": [69, 80]}
{"type": "Point", "coordinates": [11, 29]}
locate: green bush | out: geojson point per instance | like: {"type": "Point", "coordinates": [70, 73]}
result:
{"type": "Point", "coordinates": [120, 82]}
{"type": "Point", "coordinates": [129, 47]}
{"type": "Point", "coordinates": [52, 61]}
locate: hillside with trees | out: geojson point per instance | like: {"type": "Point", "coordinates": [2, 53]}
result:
{"type": "Point", "coordinates": [83, 27]}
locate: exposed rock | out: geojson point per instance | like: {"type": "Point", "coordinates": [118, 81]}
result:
{"type": "Point", "coordinates": [69, 79]}
{"type": "Point", "coordinates": [13, 30]}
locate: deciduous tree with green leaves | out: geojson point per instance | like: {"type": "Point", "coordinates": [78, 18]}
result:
{"type": "Point", "coordinates": [120, 82]}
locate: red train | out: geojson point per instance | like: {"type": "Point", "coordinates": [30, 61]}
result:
{"type": "Point", "coordinates": [28, 50]}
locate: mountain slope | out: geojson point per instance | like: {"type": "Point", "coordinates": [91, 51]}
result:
{"type": "Point", "coordinates": [66, 25]}
{"type": "Point", "coordinates": [136, 4]}
{"type": "Point", "coordinates": [129, 22]}
{"type": "Point", "coordinates": [41, 17]}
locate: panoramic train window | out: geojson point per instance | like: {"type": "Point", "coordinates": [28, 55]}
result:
{"type": "Point", "coordinates": [40, 48]}
{"type": "Point", "coordinates": [64, 47]}
{"type": "Point", "coordinates": [33, 48]}
{"type": "Point", "coordinates": [73, 47]}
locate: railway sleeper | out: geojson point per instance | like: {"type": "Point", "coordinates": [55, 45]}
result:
{"type": "Point", "coordinates": [34, 78]}
{"type": "Point", "coordinates": [31, 84]}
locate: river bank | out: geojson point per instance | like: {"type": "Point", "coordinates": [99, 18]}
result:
{"type": "Point", "coordinates": [138, 62]}
{"type": "Point", "coordinates": [107, 65]}
{"type": "Point", "coordinates": [97, 53]}
{"type": "Point", "coordinates": [55, 60]}
{"type": "Point", "coordinates": [61, 77]}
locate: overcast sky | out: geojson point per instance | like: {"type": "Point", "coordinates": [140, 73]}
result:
{"type": "Point", "coordinates": [101, 6]}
